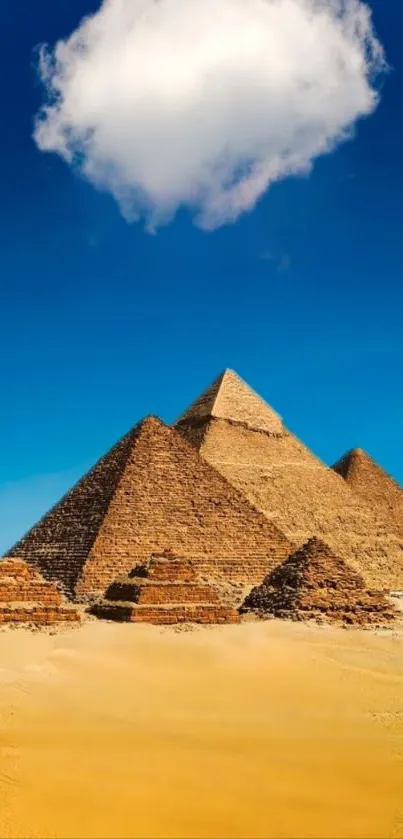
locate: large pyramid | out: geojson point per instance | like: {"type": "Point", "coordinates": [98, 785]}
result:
{"type": "Point", "coordinates": [150, 494]}
{"type": "Point", "coordinates": [313, 582]}
{"type": "Point", "coordinates": [245, 440]}
{"type": "Point", "coordinates": [374, 485]}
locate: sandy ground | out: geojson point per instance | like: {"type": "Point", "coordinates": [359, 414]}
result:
{"type": "Point", "coordinates": [258, 730]}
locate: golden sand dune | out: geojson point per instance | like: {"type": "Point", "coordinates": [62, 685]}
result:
{"type": "Point", "coordinates": [257, 730]}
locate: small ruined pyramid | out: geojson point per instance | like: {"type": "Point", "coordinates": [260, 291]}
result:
{"type": "Point", "coordinates": [151, 493]}
{"type": "Point", "coordinates": [243, 438]}
{"type": "Point", "coordinates": [365, 477]}
{"type": "Point", "coordinates": [25, 597]}
{"type": "Point", "coordinates": [165, 590]}
{"type": "Point", "coordinates": [315, 583]}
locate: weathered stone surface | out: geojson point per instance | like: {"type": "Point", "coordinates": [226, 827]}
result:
{"type": "Point", "coordinates": [171, 567]}
{"type": "Point", "coordinates": [315, 583]}
{"type": "Point", "coordinates": [153, 493]}
{"type": "Point", "coordinates": [293, 488]}
{"type": "Point", "coordinates": [374, 485]}
{"type": "Point", "coordinates": [164, 591]}
{"type": "Point", "coordinates": [26, 598]}
{"type": "Point", "coordinates": [188, 613]}
{"type": "Point", "coordinates": [148, 592]}
{"type": "Point", "coordinates": [60, 543]}
{"type": "Point", "coordinates": [230, 398]}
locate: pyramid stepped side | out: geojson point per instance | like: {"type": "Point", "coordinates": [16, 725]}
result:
{"type": "Point", "coordinates": [302, 496]}
{"type": "Point", "coordinates": [365, 477]}
{"type": "Point", "coordinates": [167, 615]}
{"type": "Point", "coordinates": [212, 567]}
{"type": "Point", "coordinates": [27, 598]}
{"type": "Point", "coordinates": [314, 583]}
{"type": "Point", "coordinates": [164, 592]}
{"type": "Point", "coordinates": [169, 499]}
{"type": "Point", "coordinates": [60, 543]}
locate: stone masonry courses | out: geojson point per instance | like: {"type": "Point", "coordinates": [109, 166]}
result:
{"type": "Point", "coordinates": [365, 477]}
{"type": "Point", "coordinates": [165, 589]}
{"type": "Point", "coordinates": [152, 493]}
{"type": "Point", "coordinates": [314, 583]}
{"type": "Point", "coordinates": [246, 441]}
{"type": "Point", "coordinates": [25, 597]}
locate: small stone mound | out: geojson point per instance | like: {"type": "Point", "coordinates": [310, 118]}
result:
{"type": "Point", "coordinates": [25, 597]}
{"type": "Point", "coordinates": [314, 583]}
{"type": "Point", "coordinates": [164, 591]}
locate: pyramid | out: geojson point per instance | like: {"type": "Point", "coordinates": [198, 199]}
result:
{"type": "Point", "coordinates": [165, 590]}
{"type": "Point", "coordinates": [25, 597]}
{"type": "Point", "coordinates": [151, 493]}
{"type": "Point", "coordinates": [315, 583]}
{"type": "Point", "coordinates": [247, 442]}
{"type": "Point", "coordinates": [230, 398]}
{"type": "Point", "coordinates": [364, 476]}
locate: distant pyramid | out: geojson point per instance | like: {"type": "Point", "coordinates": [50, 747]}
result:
{"type": "Point", "coordinates": [315, 583]}
{"type": "Point", "coordinates": [25, 597]}
{"type": "Point", "coordinates": [365, 477]}
{"type": "Point", "coordinates": [244, 439]}
{"type": "Point", "coordinates": [151, 493]}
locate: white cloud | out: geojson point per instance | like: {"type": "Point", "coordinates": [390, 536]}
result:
{"type": "Point", "coordinates": [205, 103]}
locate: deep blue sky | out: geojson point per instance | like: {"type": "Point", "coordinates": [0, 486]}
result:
{"type": "Point", "coordinates": [101, 323]}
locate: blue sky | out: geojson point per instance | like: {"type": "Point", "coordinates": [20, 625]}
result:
{"type": "Point", "coordinates": [102, 323]}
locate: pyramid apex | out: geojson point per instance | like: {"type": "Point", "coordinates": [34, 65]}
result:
{"type": "Point", "coordinates": [149, 423]}
{"type": "Point", "coordinates": [150, 420]}
{"type": "Point", "coordinates": [357, 452]}
{"type": "Point", "coordinates": [315, 542]}
{"type": "Point", "coordinates": [231, 398]}
{"type": "Point", "coordinates": [345, 463]}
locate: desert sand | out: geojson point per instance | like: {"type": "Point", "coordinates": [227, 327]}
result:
{"type": "Point", "coordinates": [266, 729]}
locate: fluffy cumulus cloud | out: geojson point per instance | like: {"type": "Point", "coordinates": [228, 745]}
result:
{"type": "Point", "coordinates": [206, 103]}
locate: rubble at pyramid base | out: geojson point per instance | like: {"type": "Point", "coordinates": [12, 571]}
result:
{"type": "Point", "coordinates": [37, 616]}
{"type": "Point", "coordinates": [26, 598]}
{"type": "Point", "coordinates": [313, 583]}
{"type": "Point", "coordinates": [362, 613]}
{"type": "Point", "coordinates": [166, 615]}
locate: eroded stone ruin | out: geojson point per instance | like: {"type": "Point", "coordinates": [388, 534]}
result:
{"type": "Point", "coordinates": [25, 597]}
{"type": "Point", "coordinates": [166, 590]}
{"type": "Point", "coordinates": [179, 523]}
{"type": "Point", "coordinates": [315, 583]}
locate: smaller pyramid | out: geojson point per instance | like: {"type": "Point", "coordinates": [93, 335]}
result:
{"type": "Point", "coordinates": [164, 590]}
{"type": "Point", "coordinates": [366, 478]}
{"type": "Point", "coordinates": [25, 597]}
{"type": "Point", "coordinates": [315, 583]}
{"type": "Point", "coordinates": [230, 398]}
